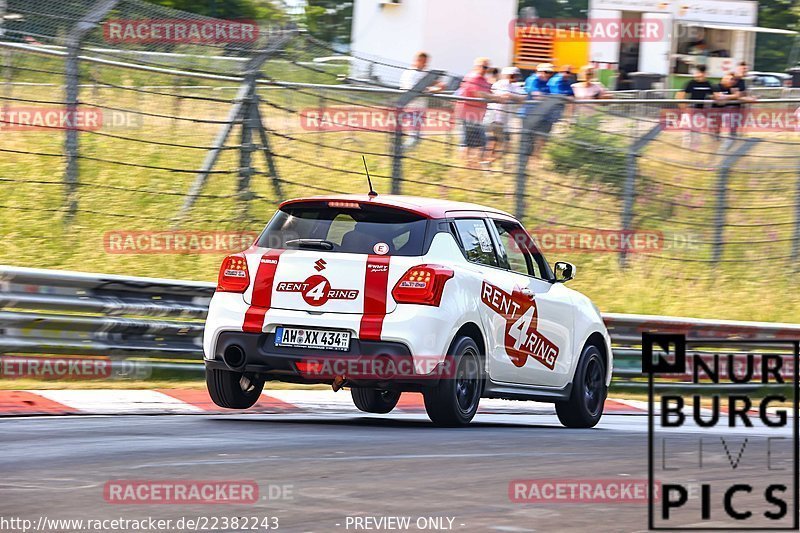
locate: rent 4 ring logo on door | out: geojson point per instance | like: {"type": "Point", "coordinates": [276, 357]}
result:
{"type": "Point", "coordinates": [522, 340]}
{"type": "Point", "coordinates": [316, 290]}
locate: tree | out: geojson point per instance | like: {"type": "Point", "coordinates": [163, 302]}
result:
{"type": "Point", "coordinates": [261, 10]}
{"type": "Point", "coordinates": [773, 52]}
{"type": "Point", "coordinates": [329, 20]}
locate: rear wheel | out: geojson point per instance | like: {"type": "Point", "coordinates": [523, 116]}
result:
{"type": "Point", "coordinates": [374, 400]}
{"type": "Point", "coordinates": [454, 401]}
{"type": "Point", "coordinates": [585, 405]}
{"type": "Point", "coordinates": [233, 390]}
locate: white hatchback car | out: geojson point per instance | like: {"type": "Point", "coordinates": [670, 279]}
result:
{"type": "Point", "coordinates": [387, 294]}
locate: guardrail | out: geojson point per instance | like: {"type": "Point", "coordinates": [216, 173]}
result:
{"type": "Point", "coordinates": [53, 312]}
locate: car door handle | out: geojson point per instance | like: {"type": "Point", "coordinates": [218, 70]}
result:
{"type": "Point", "coordinates": [527, 292]}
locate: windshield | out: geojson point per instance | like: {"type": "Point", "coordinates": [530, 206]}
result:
{"type": "Point", "coordinates": [363, 230]}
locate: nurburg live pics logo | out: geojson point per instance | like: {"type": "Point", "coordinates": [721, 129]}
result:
{"type": "Point", "coordinates": [732, 430]}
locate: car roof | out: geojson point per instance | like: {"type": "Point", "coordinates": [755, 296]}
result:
{"type": "Point", "coordinates": [427, 207]}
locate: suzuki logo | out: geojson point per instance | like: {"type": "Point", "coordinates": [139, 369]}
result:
{"type": "Point", "coordinates": [320, 265]}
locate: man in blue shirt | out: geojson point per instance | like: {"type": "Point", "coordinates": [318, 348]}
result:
{"type": "Point", "coordinates": [562, 82]}
{"type": "Point", "coordinates": [538, 82]}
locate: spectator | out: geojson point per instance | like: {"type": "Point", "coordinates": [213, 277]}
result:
{"type": "Point", "coordinates": [727, 100]}
{"type": "Point", "coordinates": [561, 83]}
{"type": "Point", "coordinates": [417, 108]}
{"type": "Point", "coordinates": [699, 53]}
{"type": "Point", "coordinates": [741, 83]}
{"type": "Point", "coordinates": [537, 83]}
{"type": "Point", "coordinates": [537, 86]}
{"type": "Point", "coordinates": [471, 112]}
{"type": "Point", "coordinates": [698, 88]}
{"type": "Point", "coordinates": [587, 88]}
{"type": "Point", "coordinates": [498, 114]}
{"type": "Point", "coordinates": [492, 75]}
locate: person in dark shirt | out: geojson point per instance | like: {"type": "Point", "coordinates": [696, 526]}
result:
{"type": "Point", "coordinates": [698, 88]}
{"type": "Point", "coordinates": [728, 102]}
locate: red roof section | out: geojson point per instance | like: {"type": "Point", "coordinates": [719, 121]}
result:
{"type": "Point", "coordinates": [427, 207]}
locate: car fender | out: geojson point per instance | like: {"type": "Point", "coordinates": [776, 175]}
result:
{"type": "Point", "coordinates": [461, 297]}
{"type": "Point", "coordinates": [587, 322]}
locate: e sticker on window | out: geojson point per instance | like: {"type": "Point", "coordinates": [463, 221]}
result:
{"type": "Point", "coordinates": [381, 248]}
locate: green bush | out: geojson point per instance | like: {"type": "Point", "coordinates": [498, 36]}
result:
{"type": "Point", "coordinates": [587, 152]}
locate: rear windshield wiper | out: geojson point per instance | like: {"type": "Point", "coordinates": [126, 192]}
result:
{"type": "Point", "coordinates": [315, 244]}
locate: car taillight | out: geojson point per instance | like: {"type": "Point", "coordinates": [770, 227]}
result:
{"type": "Point", "coordinates": [422, 284]}
{"type": "Point", "coordinates": [233, 275]}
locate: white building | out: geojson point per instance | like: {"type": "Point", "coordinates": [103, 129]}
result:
{"type": "Point", "coordinates": [726, 28]}
{"type": "Point", "coordinates": [453, 32]}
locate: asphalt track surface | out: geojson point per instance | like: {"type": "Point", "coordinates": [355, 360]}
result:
{"type": "Point", "coordinates": [337, 465]}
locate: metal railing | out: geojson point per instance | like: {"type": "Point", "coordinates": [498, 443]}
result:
{"type": "Point", "coordinates": [53, 312]}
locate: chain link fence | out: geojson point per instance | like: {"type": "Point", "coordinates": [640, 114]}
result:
{"type": "Point", "coordinates": [202, 134]}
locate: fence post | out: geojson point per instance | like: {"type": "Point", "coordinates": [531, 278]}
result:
{"type": "Point", "coordinates": [722, 195]}
{"type": "Point", "coordinates": [629, 189]}
{"type": "Point", "coordinates": [397, 140]}
{"type": "Point", "coordinates": [528, 136]}
{"type": "Point", "coordinates": [72, 79]}
{"type": "Point", "coordinates": [236, 114]}
{"type": "Point", "coordinates": [796, 239]}
{"type": "Point", "coordinates": [246, 148]}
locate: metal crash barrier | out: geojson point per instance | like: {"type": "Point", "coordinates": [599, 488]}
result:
{"type": "Point", "coordinates": [154, 321]}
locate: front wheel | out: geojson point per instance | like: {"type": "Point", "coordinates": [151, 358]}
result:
{"type": "Point", "coordinates": [585, 405]}
{"type": "Point", "coordinates": [233, 390]}
{"type": "Point", "coordinates": [454, 401]}
{"type": "Point", "coordinates": [374, 400]}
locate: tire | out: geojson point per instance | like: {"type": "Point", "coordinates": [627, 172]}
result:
{"type": "Point", "coordinates": [454, 401]}
{"type": "Point", "coordinates": [374, 400]}
{"type": "Point", "coordinates": [585, 405]}
{"type": "Point", "coordinates": [233, 390]}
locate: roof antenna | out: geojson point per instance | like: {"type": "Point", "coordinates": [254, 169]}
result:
{"type": "Point", "coordinates": [371, 193]}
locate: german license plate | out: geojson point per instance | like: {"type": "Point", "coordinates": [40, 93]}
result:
{"type": "Point", "coordinates": [319, 339]}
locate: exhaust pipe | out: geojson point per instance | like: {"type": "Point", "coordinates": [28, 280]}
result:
{"type": "Point", "coordinates": [234, 357]}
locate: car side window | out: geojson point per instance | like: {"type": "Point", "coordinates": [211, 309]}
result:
{"type": "Point", "coordinates": [518, 251]}
{"type": "Point", "coordinates": [476, 241]}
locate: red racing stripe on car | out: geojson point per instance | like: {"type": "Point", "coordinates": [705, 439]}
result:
{"type": "Point", "coordinates": [262, 292]}
{"type": "Point", "coordinates": [376, 280]}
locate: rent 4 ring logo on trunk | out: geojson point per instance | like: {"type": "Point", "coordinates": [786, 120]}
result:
{"type": "Point", "coordinates": [729, 425]}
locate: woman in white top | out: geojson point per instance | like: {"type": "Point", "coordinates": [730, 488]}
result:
{"type": "Point", "coordinates": [587, 88]}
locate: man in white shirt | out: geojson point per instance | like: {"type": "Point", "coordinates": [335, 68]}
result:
{"type": "Point", "coordinates": [417, 107]}
{"type": "Point", "coordinates": [498, 114]}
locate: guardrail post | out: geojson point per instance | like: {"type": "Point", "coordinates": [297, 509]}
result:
{"type": "Point", "coordinates": [629, 189]}
{"type": "Point", "coordinates": [72, 80]}
{"type": "Point", "coordinates": [539, 112]}
{"type": "Point", "coordinates": [397, 140]}
{"type": "Point", "coordinates": [722, 195]}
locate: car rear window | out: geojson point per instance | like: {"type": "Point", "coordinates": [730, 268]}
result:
{"type": "Point", "coordinates": [367, 229]}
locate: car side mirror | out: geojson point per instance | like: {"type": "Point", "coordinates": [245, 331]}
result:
{"type": "Point", "coordinates": [564, 271]}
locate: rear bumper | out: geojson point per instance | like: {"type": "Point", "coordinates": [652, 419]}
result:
{"type": "Point", "coordinates": [381, 364]}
